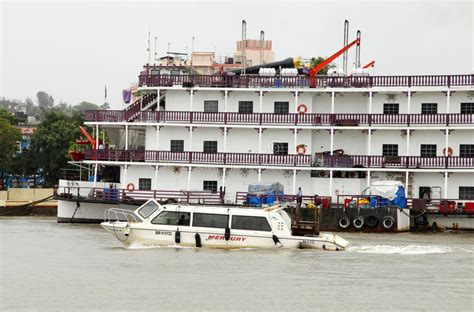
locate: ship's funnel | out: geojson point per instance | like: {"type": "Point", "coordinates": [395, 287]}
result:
{"type": "Point", "coordinates": [286, 63]}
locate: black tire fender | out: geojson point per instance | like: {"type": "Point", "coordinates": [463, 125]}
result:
{"type": "Point", "coordinates": [359, 223]}
{"type": "Point", "coordinates": [344, 222]}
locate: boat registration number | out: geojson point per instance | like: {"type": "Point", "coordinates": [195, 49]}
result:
{"type": "Point", "coordinates": [166, 233]}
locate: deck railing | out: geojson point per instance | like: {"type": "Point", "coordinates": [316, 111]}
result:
{"type": "Point", "coordinates": [138, 196]}
{"type": "Point", "coordinates": [256, 81]}
{"type": "Point", "coordinates": [309, 119]}
{"type": "Point", "coordinates": [325, 161]}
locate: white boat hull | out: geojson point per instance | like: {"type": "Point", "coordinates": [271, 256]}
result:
{"type": "Point", "coordinates": [129, 233]}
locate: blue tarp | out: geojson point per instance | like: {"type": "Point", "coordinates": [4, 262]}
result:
{"type": "Point", "coordinates": [400, 200]}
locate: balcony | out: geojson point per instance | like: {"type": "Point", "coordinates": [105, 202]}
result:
{"type": "Point", "coordinates": [255, 81]}
{"type": "Point", "coordinates": [326, 161]}
{"type": "Point", "coordinates": [308, 119]}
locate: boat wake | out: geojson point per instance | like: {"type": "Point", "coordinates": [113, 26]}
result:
{"type": "Point", "coordinates": [406, 250]}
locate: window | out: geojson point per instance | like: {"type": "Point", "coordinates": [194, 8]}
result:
{"type": "Point", "coordinates": [173, 218]}
{"type": "Point", "coordinates": [280, 148]}
{"type": "Point", "coordinates": [177, 146]}
{"type": "Point", "coordinates": [390, 150]}
{"type": "Point", "coordinates": [210, 220]}
{"type": "Point", "coordinates": [209, 147]}
{"type": "Point", "coordinates": [281, 107]}
{"type": "Point", "coordinates": [209, 186]}
{"type": "Point", "coordinates": [144, 184]}
{"type": "Point", "coordinates": [245, 107]}
{"type": "Point", "coordinates": [466, 192]}
{"type": "Point", "coordinates": [174, 72]}
{"type": "Point", "coordinates": [147, 209]}
{"type": "Point", "coordinates": [428, 150]}
{"type": "Point", "coordinates": [429, 108]}
{"type": "Point", "coordinates": [250, 223]}
{"type": "Point", "coordinates": [467, 108]}
{"type": "Point", "coordinates": [391, 108]}
{"type": "Point", "coordinates": [211, 106]}
{"type": "Point", "coordinates": [466, 150]}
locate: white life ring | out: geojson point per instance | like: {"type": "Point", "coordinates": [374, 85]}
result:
{"type": "Point", "coordinates": [301, 149]}
{"type": "Point", "coordinates": [302, 108]}
{"type": "Point", "coordinates": [130, 187]}
{"type": "Point", "coordinates": [450, 151]}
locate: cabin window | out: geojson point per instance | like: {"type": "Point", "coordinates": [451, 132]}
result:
{"type": "Point", "coordinates": [210, 220]}
{"type": "Point", "coordinates": [177, 146]}
{"type": "Point", "coordinates": [209, 147]}
{"type": "Point", "coordinates": [466, 150]}
{"type": "Point", "coordinates": [390, 150]}
{"type": "Point", "coordinates": [250, 223]}
{"type": "Point", "coordinates": [246, 107]}
{"type": "Point", "coordinates": [174, 72]}
{"type": "Point", "coordinates": [391, 108]}
{"type": "Point", "coordinates": [155, 71]}
{"type": "Point", "coordinates": [429, 108]}
{"type": "Point", "coordinates": [467, 108]}
{"type": "Point", "coordinates": [281, 107]}
{"type": "Point", "coordinates": [280, 148]}
{"type": "Point", "coordinates": [211, 107]}
{"type": "Point", "coordinates": [466, 192]}
{"type": "Point", "coordinates": [209, 186]}
{"type": "Point", "coordinates": [428, 150]}
{"type": "Point", "coordinates": [144, 184]}
{"type": "Point", "coordinates": [147, 209]}
{"type": "Point", "coordinates": [173, 218]}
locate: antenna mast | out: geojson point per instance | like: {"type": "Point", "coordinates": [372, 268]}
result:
{"type": "Point", "coordinates": [244, 43]}
{"type": "Point", "coordinates": [148, 49]}
{"type": "Point", "coordinates": [154, 57]}
{"type": "Point", "coordinates": [346, 42]}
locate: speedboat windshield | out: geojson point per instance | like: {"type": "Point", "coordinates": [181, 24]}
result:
{"type": "Point", "coordinates": [148, 209]}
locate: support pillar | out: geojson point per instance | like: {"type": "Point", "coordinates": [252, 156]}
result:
{"type": "Point", "coordinates": [260, 101]}
{"type": "Point", "coordinates": [294, 181]}
{"type": "Point", "coordinates": [296, 102]}
{"type": "Point", "coordinates": [330, 183]}
{"type": "Point", "coordinates": [445, 185]}
{"type": "Point", "coordinates": [156, 177]}
{"type": "Point", "coordinates": [260, 140]}
{"type": "Point", "coordinates": [126, 137]}
{"type": "Point", "coordinates": [407, 175]}
{"type": "Point", "coordinates": [223, 177]}
{"type": "Point", "coordinates": [124, 178]}
{"type": "Point", "coordinates": [95, 174]}
{"type": "Point", "coordinates": [368, 178]}
{"type": "Point", "coordinates": [259, 174]}
{"type": "Point", "coordinates": [189, 178]}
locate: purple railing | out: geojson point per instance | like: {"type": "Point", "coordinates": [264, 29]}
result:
{"type": "Point", "coordinates": [304, 81]}
{"type": "Point", "coordinates": [326, 161]}
{"type": "Point", "coordinates": [347, 119]}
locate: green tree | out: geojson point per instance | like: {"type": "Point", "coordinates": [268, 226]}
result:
{"type": "Point", "coordinates": [83, 106]}
{"type": "Point", "coordinates": [4, 115]}
{"type": "Point", "coordinates": [316, 60]}
{"type": "Point", "coordinates": [51, 141]}
{"type": "Point", "coordinates": [44, 100]}
{"type": "Point", "coordinates": [9, 136]}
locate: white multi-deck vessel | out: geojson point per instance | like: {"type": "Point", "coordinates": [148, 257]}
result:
{"type": "Point", "coordinates": [204, 138]}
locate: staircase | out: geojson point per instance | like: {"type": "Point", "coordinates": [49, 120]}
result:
{"type": "Point", "coordinates": [133, 110]}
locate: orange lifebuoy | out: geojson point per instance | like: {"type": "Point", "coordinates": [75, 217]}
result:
{"type": "Point", "coordinates": [302, 108]}
{"type": "Point", "coordinates": [130, 187]}
{"type": "Point", "coordinates": [301, 149]}
{"type": "Point", "coordinates": [450, 151]}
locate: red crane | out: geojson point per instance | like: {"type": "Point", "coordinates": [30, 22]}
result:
{"type": "Point", "coordinates": [316, 69]}
{"type": "Point", "coordinates": [368, 65]}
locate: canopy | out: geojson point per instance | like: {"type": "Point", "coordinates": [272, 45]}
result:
{"type": "Point", "coordinates": [385, 189]}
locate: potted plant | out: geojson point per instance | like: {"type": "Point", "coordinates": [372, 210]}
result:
{"type": "Point", "coordinates": [75, 152]}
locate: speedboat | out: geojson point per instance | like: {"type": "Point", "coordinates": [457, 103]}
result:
{"type": "Point", "coordinates": [206, 226]}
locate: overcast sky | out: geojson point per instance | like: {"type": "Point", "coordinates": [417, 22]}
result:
{"type": "Point", "coordinates": [71, 50]}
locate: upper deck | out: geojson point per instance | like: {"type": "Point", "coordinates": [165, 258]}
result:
{"type": "Point", "coordinates": [302, 81]}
